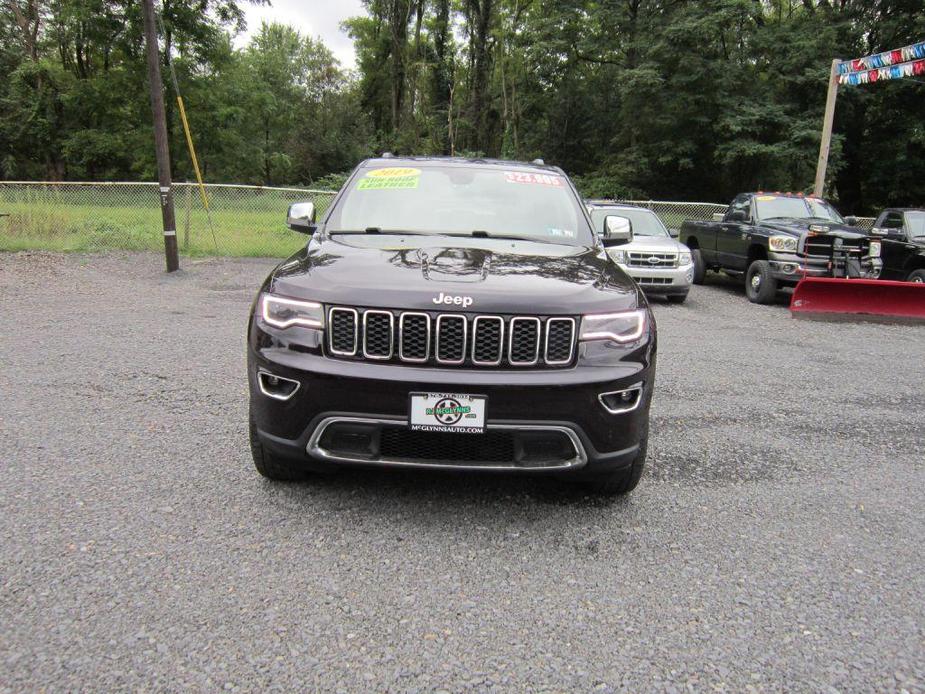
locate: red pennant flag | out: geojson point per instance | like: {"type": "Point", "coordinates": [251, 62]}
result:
{"type": "Point", "coordinates": [918, 67]}
{"type": "Point", "coordinates": [873, 75]}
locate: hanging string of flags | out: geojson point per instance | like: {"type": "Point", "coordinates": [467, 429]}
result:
{"type": "Point", "coordinates": [889, 65]}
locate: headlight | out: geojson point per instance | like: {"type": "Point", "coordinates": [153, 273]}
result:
{"type": "Point", "coordinates": [283, 313]}
{"type": "Point", "coordinates": [874, 249]}
{"type": "Point", "coordinates": [617, 255]}
{"type": "Point", "coordinates": [623, 327]}
{"type": "Point", "coordinates": [783, 243]}
{"type": "Point", "coordinates": [684, 258]}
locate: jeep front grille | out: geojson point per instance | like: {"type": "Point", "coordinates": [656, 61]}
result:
{"type": "Point", "coordinates": [450, 339]}
{"type": "Point", "coordinates": [652, 260]}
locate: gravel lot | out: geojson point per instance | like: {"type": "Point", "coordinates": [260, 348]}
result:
{"type": "Point", "coordinates": [777, 540]}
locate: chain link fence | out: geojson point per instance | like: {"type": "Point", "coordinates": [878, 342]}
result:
{"type": "Point", "coordinates": [245, 220]}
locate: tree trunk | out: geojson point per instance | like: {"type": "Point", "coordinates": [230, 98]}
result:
{"type": "Point", "coordinates": [441, 85]}
{"type": "Point", "coordinates": [398, 26]}
{"type": "Point", "coordinates": [416, 66]}
{"type": "Point", "coordinates": [481, 16]}
{"type": "Point", "coordinates": [28, 22]}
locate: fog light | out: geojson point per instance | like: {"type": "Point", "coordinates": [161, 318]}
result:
{"type": "Point", "coordinates": [621, 401]}
{"type": "Point", "coordinates": [276, 387]}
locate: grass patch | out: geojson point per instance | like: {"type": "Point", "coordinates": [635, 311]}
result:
{"type": "Point", "coordinates": [97, 219]}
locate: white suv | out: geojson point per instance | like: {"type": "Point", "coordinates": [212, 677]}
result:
{"type": "Point", "coordinates": [659, 264]}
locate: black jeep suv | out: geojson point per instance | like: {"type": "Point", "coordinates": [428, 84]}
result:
{"type": "Point", "coordinates": [455, 314]}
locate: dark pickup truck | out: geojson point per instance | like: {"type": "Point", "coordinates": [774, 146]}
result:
{"type": "Point", "coordinates": [774, 239]}
{"type": "Point", "coordinates": [902, 234]}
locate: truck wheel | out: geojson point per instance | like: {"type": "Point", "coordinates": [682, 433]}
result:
{"type": "Point", "coordinates": [760, 285]}
{"type": "Point", "coordinates": [700, 270]}
{"type": "Point", "coordinates": [917, 276]}
{"type": "Point", "coordinates": [269, 465]}
{"type": "Point", "coordinates": [677, 298]}
{"type": "Point", "coordinates": [622, 481]}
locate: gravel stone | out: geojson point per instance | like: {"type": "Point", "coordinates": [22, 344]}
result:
{"type": "Point", "coordinates": [776, 542]}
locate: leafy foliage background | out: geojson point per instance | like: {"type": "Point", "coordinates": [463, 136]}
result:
{"type": "Point", "coordinates": [679, 99]}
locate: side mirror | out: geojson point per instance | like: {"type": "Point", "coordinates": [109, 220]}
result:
{"type": "Point", "coordinates": [301, 217]}
{"type": "Point", "coordinates": [851, 221]}
{"type": "Point", "coordinates": [738, 216]}
{"type": "Point", "coordinates": [617, 230]}
{"type": "Point", "coordinates": [674, 233]}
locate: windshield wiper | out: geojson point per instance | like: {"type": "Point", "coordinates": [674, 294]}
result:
{"type": "Point", "coordinates": [380, 230]}
{"type": "Point", "coordinates": [482, 234]}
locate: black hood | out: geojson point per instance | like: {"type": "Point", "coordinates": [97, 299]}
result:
{"type": "Point", "coordinates": [409, 272]}
{"type": "Point", "coordinates": [798, 227]}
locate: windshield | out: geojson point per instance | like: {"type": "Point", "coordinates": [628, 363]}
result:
{"type": "Point", "coordinates": [454, 199]}
{"type": "Point", "coordinates": [645, 223]}
{"type": "Point", "coordinates": [915, 224]}
{"type": "Point", "coordinates": [771, 206]}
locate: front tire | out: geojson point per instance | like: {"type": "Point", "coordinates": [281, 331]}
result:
{"type": "Point", "coordinates": [700, 270]}
{"type": "Point", "coordinates": [760, 285]}
{"type": "Point", "coordinates": [621, 481]}
{"type": "Point", "coordinates": [917, 276]}
{"type": "Point", "coordinates": [270, 465]}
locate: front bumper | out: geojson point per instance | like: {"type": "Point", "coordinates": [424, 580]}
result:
{"type": "Point", "coordinates": [370, 400]}
{"type": "Point", "coordinates": [790, 267]}
{"type": "Point", "coordinates": [661, 280]}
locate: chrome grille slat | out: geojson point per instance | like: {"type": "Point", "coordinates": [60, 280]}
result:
{"type": "Point", "coordinates": [450, 339]}
{"type": "Point", "coordinates": [487, 340]}
{"type": "Point", "coordinates": [343, 331]}
{"type": "Point", "coordinates": [558, 332]}
{"type": "Point", "coordinates": [524, 341]}
{"type": "Point", "coordinates": [414, 337]}
{"type": "Point", "coordinates": [378, 334]}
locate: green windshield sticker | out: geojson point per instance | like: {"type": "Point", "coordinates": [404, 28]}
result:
{"type": "Point", "coordinates": [391, 178]}
{"type": "Point", "coordinates": [389, 183]}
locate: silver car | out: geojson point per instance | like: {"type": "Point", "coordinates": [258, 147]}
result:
{"type": "Point", "coordinates": [659, 264]}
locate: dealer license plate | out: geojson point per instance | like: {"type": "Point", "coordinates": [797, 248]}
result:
{"type": "Point", "coordinates": [454, 412]}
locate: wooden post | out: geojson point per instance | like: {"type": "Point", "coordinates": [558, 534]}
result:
{"type": "Point", "coordinates": [156, 89]}
{"type": "Point", "coordinates": [826, 140]}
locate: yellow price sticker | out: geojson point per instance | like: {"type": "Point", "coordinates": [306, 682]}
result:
{"type": "Point", "coordinates": [393, 172]}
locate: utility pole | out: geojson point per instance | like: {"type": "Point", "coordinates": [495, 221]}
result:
{"type": "Point", "coordinates": [155, 87]}
{"type": "Point", "coordinates": [826, 141]}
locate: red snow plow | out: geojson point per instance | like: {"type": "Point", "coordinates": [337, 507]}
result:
{"type": "Point", "coordinates": [834, 297]}
{"type": "Point", "coordinates": [850, 288]}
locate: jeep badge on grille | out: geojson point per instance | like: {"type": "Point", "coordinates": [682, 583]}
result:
{"type": "Point", "coordinates": [464, 301]}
